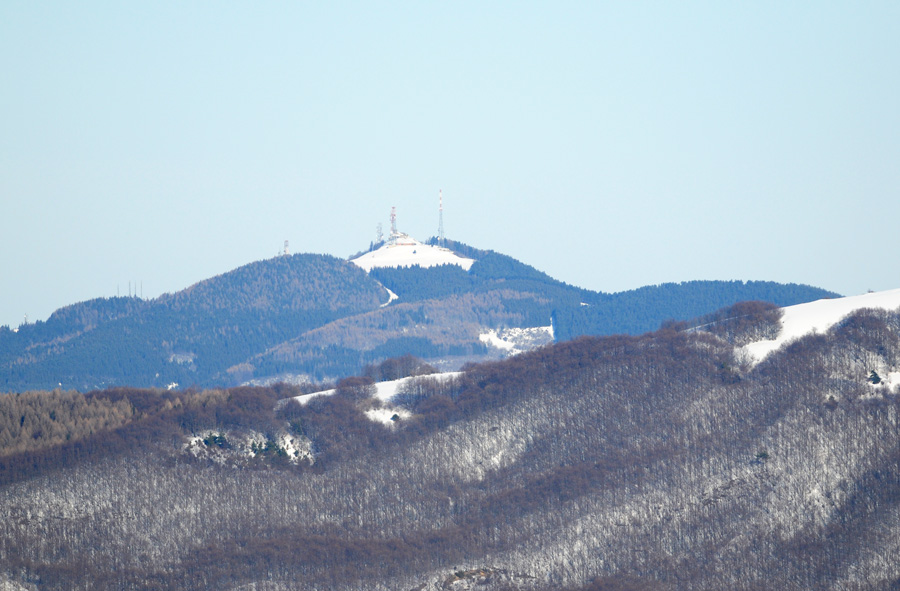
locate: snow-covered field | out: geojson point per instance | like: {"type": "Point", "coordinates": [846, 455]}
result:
{"type": "Point", "coordinates": [406, 251]}
{"type": "Point", "coordinates": [819, 316]}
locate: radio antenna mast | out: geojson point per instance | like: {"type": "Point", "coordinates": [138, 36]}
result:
{"type": "Point", "coordinates": [393, 224]}
{"type": "Point", "coordinates": [440, 217]}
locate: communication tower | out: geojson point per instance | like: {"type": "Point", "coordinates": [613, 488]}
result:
{"type": "Point", "coordinates": [394, 232]}
{"type": "Point", "coordinates": [379, 235]}
{"type": "Point", "coordinates": [440, 217]}
{"type": "Point", "coordinates": [286, 251]}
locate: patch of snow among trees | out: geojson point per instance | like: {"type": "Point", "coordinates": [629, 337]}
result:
{"type": "Point", "coordinates": [385, 391]}
{"type": "Point", "coordinates": [237, 446]}
{"type": "Point", "coordinates": [8, 585]}
{"type": "Point", "coordinates": [892, 379]}
{"type": "Point", "coordinates": [819, 316]}
{"type": "Point", "coordinates": [387, 415]}
{"type": "Point", "coordinates": [517, 340]}
{"type": "Point", "coordinates": [391, 297]}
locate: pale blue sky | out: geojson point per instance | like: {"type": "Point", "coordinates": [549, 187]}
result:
{"type": "Point", "coordinates": [611, 145]}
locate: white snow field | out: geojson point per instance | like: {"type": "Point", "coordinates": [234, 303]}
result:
{"type": "Point", "coordinates": [404, 251]}
{"type": "Point", "coordinates": [819, 316]}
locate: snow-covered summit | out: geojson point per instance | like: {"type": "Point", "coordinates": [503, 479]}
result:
{"type": "Point", "coordinates": [819, 316]}
{"type": "Point", "coordinates": [403, 250]}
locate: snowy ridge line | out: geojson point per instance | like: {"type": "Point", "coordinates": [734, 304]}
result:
{"type": "Point", "coordinates": [817, 317]}
{"type": "Point", "coordinates": [385, 392]}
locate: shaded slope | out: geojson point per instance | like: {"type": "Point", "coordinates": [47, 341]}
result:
{"type": "Point", "coordinates": [251, 323]}
{"type": "Point", "coordinates": [577, 311]}
{"type": "Point", "coordinates": [189, 336]}
{"type": "Point", "coordinates": [645, 309]}
{"type": "Point", "coordinates": [433, 329]}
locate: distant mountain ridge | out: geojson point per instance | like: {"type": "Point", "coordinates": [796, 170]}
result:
{"type": "Point", "coordinates": [187, 337]}
{"type": "Point", "coordinates": [311, 317]}
{"type": "Point", "coordinates": [641, 310]}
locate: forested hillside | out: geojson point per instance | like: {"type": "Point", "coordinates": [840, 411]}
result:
{"type": "Point", "coordinates": [645, 309]}
{"type": "Point", "coordinates": [659, 461]}
{"type": "Point", "coordinates": [314, 317]}
{"type": "Point", "coordinates": [188, 337]}
{"type": "Point", "coordinates": [434, 329]}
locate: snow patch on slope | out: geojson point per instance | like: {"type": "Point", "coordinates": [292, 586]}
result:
{"type": "Point", "coordinates": [391, 297]}
{"type": "Point", "coordinates": [819, 316]}
{"type": "Point", "coordinates": [516, 340]}
{"type": "Point", "coordinates": [892, 380]}
{"type": "Point", "coordinates": [236, 446]}
{"type": "Point", "coordinates": [387, 415]}
{"type": "Point", "coordinates": [405, 251]}
{"type": "Point", "coordinates": [384, 393]}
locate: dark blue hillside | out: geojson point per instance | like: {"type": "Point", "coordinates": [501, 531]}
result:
{"type": "Point", "coordinates": [491, 271]}
{"type": "Point", "coordinates": [645, 309]}
{"type": "Point", "coordinates": [217, 330]}
{"type": "Point", "coordinates": [187, 337]}
{"type": "Point", "coordinates": [577, 312]}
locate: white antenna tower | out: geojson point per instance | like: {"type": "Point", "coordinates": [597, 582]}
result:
{"type": "Point", "coordinates": [286, 251]}
{"type": "Point", "coordinates": [379, 235]}
{"type": "Point", "coordinates": [393, 223]}
{"type": "Point", "coordinates": [441, 217]}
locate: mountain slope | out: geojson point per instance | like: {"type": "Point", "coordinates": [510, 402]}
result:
{"type": "Point", "coordinates": [190, 336]}
{"type": "Point", "coordinates": [446, 331]}
{"type": "Point", "coordinates": [315, 317]}
{"type": "Point", "coordinates": [644, 309]}
{"type": "Point", "coordinates": [657, 461]}
{"type": "Point", "coordinates": [818, 316]}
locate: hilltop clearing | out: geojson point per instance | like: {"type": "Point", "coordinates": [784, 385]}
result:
{"type": "Point", "coordinates": [406, 251]}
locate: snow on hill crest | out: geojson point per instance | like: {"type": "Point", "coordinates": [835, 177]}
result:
{"type": "Point", "coordinates": [819, 316]}
{"type": "Point", "coordinates": [384, 392]}
{"type": "Point", "coordinates": [403, 250]}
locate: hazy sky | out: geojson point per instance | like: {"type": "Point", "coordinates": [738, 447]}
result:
{"type": "Point", "coordinates": [611, 145]}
